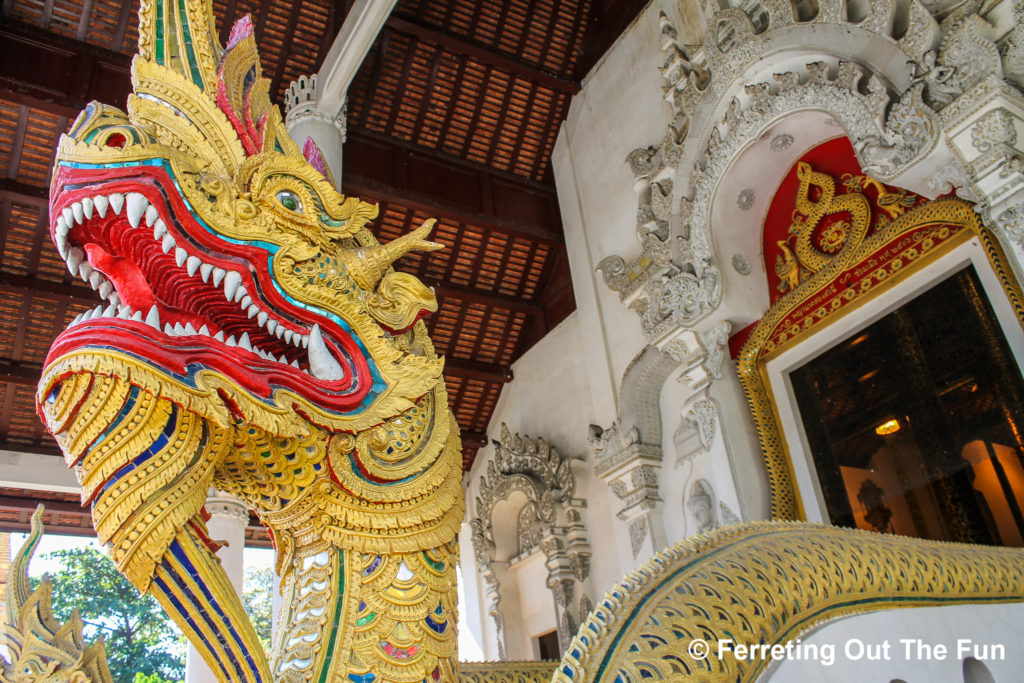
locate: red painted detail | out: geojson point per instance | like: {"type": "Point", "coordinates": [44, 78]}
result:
{"type": "Point", "coordinates": [144, 276]}
{"type": "Point", "coordinates": [117, 140]}
{"type": "Point", "coordinates": [204, 537]}
{"type": "Point", "coordinates": [868, 272]}
{"type": "Point", "coordinates": [834, 158]}
{"type": "Point", "coordinates": [737, 340]}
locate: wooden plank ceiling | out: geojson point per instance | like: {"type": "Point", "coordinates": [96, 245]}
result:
{"type": "Point", "coordinates": [453, 115]}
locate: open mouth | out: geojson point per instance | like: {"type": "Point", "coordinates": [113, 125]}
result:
{"type": "Point", "coordinates": [120, 244]}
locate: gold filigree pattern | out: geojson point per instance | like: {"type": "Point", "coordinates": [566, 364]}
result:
{"type": "Point", "coordinates": [767, 583]}
{"type": "Point", "coordinates": [506, 672]}
{"type": "Point", "coordinates": [40, 648]}
{"type": "Point", "coordinates": [860, 270]}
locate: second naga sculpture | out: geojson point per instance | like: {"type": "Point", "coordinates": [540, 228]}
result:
{"type": "Point", "coordinates": [254, 338]}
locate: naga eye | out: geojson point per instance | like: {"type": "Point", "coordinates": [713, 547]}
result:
{"type": "Point", "coordinates": [290, 201]}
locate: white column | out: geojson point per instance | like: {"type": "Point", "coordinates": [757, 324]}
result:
{"type": "Point", "coordinates": [307, 119]}
{"type": "Point", "coordinates": [228, 519]}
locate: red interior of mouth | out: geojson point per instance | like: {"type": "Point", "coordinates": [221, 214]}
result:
{"type": "Point", "coordinates": [143, 275]}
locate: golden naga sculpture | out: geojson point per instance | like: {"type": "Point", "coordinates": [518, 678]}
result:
{"type": "Point", "coordinates": [760, 584]}
{"type": "Point", "coordinates": [40, 648]}
{"type": "Point", "coordinates": [253, 338]}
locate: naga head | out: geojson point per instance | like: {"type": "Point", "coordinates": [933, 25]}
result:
{"type": "Point", "coordinates": [225, 257]}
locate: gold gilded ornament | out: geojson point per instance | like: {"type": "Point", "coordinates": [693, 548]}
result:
{"type": "Point", "coordinates": [761, 584]}
{"type": "Point", "coordinates": [254, 338]}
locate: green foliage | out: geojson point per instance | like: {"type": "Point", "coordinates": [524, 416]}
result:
{"type": "Point", "coordinates": [258, 601]}
{"type": "Point", "coordinates": [151, 678]}
{"type": "Point", "coordinates": [139, 637]}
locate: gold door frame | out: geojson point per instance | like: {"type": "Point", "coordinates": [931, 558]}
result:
{"type": "Point", "coordinates": [856, 275]}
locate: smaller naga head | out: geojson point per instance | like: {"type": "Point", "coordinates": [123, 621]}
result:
{"type": "Point", "coordinates": [41, 649]}
{"type": "Point", "coordinates": [226, 258]}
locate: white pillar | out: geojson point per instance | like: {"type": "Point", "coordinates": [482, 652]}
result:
{"type": "Point", "coordinates": [306, 118]}
{"type": "Point", "coordinates": [229, 518]}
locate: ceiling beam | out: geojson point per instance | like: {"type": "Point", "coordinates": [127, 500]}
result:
{"type": "Point", "coordinates": [446, 187]}
{"type": "Point", "coordinates": [472, 439]}
{"type": "Point", "coordinates": [24, 285]}
{"type": "Point", "coordinates": [23, 193]}
{"type": "Point", "coordinates": [485, 298]}
{"type": "Point", "coordinates": [485, 372]}
{"type": "Point", "coordinates": [459, 45]}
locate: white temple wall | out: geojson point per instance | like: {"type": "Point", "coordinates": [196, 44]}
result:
{"type": "Point", "coordinates": [962, 630]}
{"type": "Point", "coordinates": [706, 460]}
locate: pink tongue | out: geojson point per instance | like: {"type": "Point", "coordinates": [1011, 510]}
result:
{"type": "Point", "coordinates": [130, 283]}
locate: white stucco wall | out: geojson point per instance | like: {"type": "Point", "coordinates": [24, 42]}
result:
{"type": "Point", "coordinates": [572, 378]}
{"type": "Point", "coordinates": [907, 645]}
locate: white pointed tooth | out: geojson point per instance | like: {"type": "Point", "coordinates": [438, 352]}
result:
{"type": "Point", "coordinates": [232, 281]}
{"type": "Point", "coordinates": [79, 214]}
{"type": "Point", "coordinates": [153, 317]}
{"type": "Point", "coordinates": [114, 299]}
{"type": "Point", "coordinates": [105, 289]}
{"type": "Point", "coordinates": [294, 363]}
{"type": "Point", "coordinates": [60, 237]}
{"type": "Point", "coordinates": [98, 312]}
{"type": "Point", "coordinates": [168, 330]}
{"type": "Point", "coordinates": [137, 205]}
{"type": "Point", "coordinates": [321, 362]}
{"type": "Point", "coordinates": [284, 359]}
{"type": "Point", "coordinates": [76, 320]}
{"type": "Point", "coordinates": [151, 215]}
{"type": "Point", "coordinates": [137, 316]}
{"type": "Point", "coordinates": [124, 312]}
{"type": "Point", "coordinates": [219, 336]}
{"type": "Point", "coordinates": [189, 329]}
{"type": "Point", "coordinates": [246, 303]}
{"type": "Point", "coordinates": [102, 203]}
{"type": "Point", "coordinates": [271, 326]}
{"type": "Point", "coordinates": [261, 319]}
{"type": "Point", "coordinates": [178, 329]}
{"type": "Point", "coordinates": [204, 271]}
{"type": "Point", "coordinates": [96, 279]}
{"type": "Point", "coordinates": [230, 341]}
{"type": "Point", "coordinates": [243, 341]}
{"type": "Point", "coordinates": [167, 243]}
{"type": "Point", "coordinates": [69, 215]}
{"type": "Point", "coordinates": [84, 271]}
{"type": "Point", "coordinates": [180, 256]}
{"type": "Point", "coordinates": [159, 229]}
{"type": "Point", "coordinates": [305, 341]}
{"type": "Point", "coordinates": [193, 264]}
{"type": "Point", "coordinates": [288, 335]}
{"type": "Point", "coordinates": [253, 310]}
{"type": "Point", "coordinates": [240, 293]}
{"type": "Point", "coordinates": [205, 331]}
{"type": "Point", "coordinates": [75, 256]}
{"type": "Point", "coordinates": [218, 276]}
{"type": "Point", "coordinates": [116, 202]}
{"type": "Point", "coordinates": [87, 206]}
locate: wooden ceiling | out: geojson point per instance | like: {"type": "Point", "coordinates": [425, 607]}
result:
{"type": "Point", "coordinates": [453, 115]}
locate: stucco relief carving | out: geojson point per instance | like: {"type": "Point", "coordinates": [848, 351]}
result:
{"type": "Point", "coordinates": [701, 504]}
{"type": "Point", "coordinates": [551, 520]}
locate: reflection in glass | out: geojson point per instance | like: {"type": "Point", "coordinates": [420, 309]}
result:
{"type": "Point", "coordinates": [914, 422]}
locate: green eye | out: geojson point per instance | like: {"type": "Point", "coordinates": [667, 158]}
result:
{"type": "Point", "coordinates": [290, 201]}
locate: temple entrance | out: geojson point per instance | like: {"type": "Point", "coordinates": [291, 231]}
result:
{"type": "Point", "coordinates": [914, 422]}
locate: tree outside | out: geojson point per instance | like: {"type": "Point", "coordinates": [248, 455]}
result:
{"type": "Point", "coordinates": [258, 602]}
{"type": "Point", "coordinates": [143, 645]}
